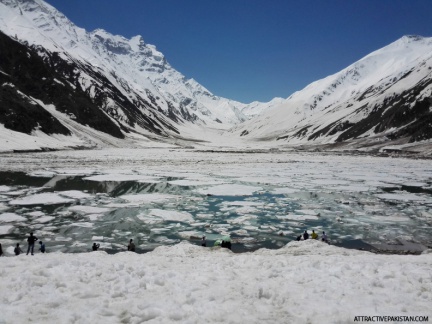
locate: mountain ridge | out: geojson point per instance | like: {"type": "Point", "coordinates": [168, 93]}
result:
{"type": "Point", "coordinates": [125, 88]}
{"type": "Point", "coordinates": [101, 48]}
{"type": "Point", "coordinates": [368, 98]}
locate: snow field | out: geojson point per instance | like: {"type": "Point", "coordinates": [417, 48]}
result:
{"type": "Point", "coordinates": [303, 282]}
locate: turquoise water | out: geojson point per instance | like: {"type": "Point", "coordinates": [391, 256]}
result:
{"type": "Point", "coordinates": [261, 219]}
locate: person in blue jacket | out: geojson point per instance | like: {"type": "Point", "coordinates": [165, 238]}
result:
{"type": "Point", "coordinates": [42, 247]}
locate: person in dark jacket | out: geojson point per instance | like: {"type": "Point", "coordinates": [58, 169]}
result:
{"type": "Point", "coordinates": [131, 246]}
{"type": "Point", "coordinates": [31, 242]}
{"type": "Point", "coordinates": [95, 246]}
{"type": "Point", "coordinates": [305, 235]}
{"type": "Point", "coordinates": [17, 249]}
{"type": "Point", "coordinates": [228, 245]}
{"type": "Point", "coordinates": [203, 241]}
{"type": "Point", "coordinates": [1, 250]}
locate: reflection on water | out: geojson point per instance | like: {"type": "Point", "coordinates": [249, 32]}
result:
{"type": "Point", "coordinates": [20, 179]}
{"type": "Point", "coordinates": [410, 189]}
{"type": "Point", "coordinates": [103, 211]}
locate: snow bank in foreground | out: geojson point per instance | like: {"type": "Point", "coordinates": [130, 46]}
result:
{"type": "Point", "coordinates": [303, 282]}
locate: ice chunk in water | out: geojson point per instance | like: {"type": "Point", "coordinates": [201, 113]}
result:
{"type": "Point", "coordinates": [11, 217]}
{"type": "Point", "coordinates": [5, 229]}
{"type": "Point", "coordinates": [229, 190]}
{"type": "Point", "coordinates": [42, 199]}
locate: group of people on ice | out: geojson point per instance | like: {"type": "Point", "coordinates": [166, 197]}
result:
{"type": "Point", "coordinates": [313, 236]}
{"type": "Point", "coordinates": [224, 242]}
{"type": "Point", "coordinates": [31, 240]}
{"type": "Point", "coordinates": [130, 247]}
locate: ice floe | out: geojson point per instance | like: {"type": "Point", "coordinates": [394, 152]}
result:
{"type": "Point", "coordinates": [171, 215]}
{"type": "Point", "coordinates": [75, 194]}
{"type": "Point", "coordinates": [44, 219]}
{"type": "Point", "coordinates": [89, 209]}
{"type": "Point", "coordinates": [229, 190]}
{"type": "Point", "coordinates": [139, 199]}
{"type": "Point", "coordinates": [123, 177]}
{"type": "Point", "coordinates": [11, 217]}
{"type": "Point", "coordinates": [5, 229]}
{"type": "Point", "coordinates": [42, 199]}
{"type": "Point", "coordinates": [402, 197]}
{"type": "Point", "coordinates": [5, 188]}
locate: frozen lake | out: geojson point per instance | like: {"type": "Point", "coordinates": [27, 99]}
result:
{"type": "Point", "coordinates": [163, 196]}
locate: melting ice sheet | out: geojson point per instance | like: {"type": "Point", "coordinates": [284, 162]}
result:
{"type": "Point", "coordinates": [257, 205]}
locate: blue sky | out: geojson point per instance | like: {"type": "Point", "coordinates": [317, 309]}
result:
{"type": "Point", "coordinates": [250, 50]}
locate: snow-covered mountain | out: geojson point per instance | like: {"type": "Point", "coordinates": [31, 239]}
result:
{"type": "Point", "coordinates": [127, 85]}
{"type": "Point", "coordinates": [386, 97]}
{"type": "Point", "coordinates": [62, 86]}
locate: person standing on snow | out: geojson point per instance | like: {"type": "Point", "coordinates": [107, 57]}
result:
{"type": "Point", "coordinates": [42, 247]}
{"type": "Point", "coordinates": [324, 237]}
{"type": "Point", "coordinates": [314, 235]}
{"type": "Point", "coordinates": [305, 235]}
{"type": "Point", "coordinates": [31, 242]}
{"type": "Point", "coordinates": [131, 246]}
{"type": "Point", "coordinates": [95, 247]}
{"type": "Point", "coordinates": [203, 241]}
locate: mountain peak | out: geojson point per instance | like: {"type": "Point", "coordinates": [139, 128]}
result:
{"type": "Point", "coordinates": [412, 38]}
{"type": "Point", "coordinates": [31, 6]}
{"type": "Point", "coordinates": [138, 39]}
{"type": "Point", "coordinates": [113, 43]}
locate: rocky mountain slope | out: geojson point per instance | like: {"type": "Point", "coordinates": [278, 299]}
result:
{"type": "Point", "coordinates": [105, 82]}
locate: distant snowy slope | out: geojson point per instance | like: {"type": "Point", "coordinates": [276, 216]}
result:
{"type": "Point", "coordinates": [388, 94]}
